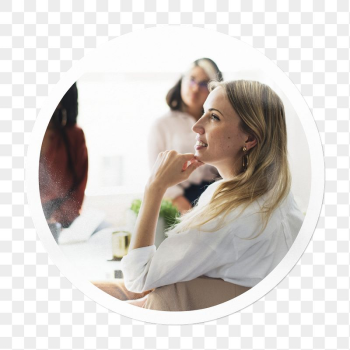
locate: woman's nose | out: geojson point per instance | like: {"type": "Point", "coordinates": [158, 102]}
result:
{"type": "Point", "coordinates": [194, 86]}
{"type": "Point", "coordinates": [198, 128]}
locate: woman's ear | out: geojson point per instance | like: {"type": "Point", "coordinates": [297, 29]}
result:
{"type": "Point", "coordinates": [250, 142]}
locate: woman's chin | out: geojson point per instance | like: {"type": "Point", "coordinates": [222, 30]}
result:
{"type": "Point", "coordinates": [200, 157]}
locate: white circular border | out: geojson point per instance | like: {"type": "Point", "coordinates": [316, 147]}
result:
{"type": "Point", "coordinates": [186, 317]}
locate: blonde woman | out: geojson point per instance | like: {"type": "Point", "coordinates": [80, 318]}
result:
{"type": "Point", "coordinates": [242, 225]}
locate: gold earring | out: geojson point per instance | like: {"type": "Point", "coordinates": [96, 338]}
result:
{"type": "Point", "coordinates": [245, 159]}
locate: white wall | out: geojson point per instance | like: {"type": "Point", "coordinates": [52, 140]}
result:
{"type": "Point", "coordinates": [116, 111]}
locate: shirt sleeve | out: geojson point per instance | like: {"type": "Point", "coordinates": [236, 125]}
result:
{"type": "Point", "coordinates": [181, 257]}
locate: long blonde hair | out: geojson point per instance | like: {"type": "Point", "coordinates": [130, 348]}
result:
{"type": "Point", "coordinates": [262, 115]}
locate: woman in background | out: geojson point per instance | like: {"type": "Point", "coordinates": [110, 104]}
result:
{"type": "Point", "coordinates": [173, 131]}
{"type": "Point", "coordinates": [63, 166]}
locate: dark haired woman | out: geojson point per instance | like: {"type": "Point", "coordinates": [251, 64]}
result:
{"type": "Point", "coordinates": [174, 130]}
{"type": "Point", "coordinates": [63, 166]}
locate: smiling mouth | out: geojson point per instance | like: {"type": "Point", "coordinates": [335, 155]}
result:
{"type": "Point", "coordinates": [201, 144]}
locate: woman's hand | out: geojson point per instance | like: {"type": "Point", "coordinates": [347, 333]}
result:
{"type": "Point", "coordinates": [172, 168]}
{"type": "Point", "coordinates": [169, 169]}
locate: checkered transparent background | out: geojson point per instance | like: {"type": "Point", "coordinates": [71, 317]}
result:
{"type": "Point", "coordinates": [308, 40]}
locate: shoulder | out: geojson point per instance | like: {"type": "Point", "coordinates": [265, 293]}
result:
{"type": "Point", "coordinates": [289, 203]}
{"type": "Point", "coordinates": [250, 221]}
{"type": "Point", "coordinates": [173, 118]}
{"type": "Point", "coordinates": [292, 216]}
{"type": "Point", "coordinates": [75, 129]}
{"type": "Point", "coordinates": [247, 222]}
{"type": "Point", "coordinates": [76, 134]}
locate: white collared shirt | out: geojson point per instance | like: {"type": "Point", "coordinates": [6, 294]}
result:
{"type": "Point", "coordinates": [226, 253]}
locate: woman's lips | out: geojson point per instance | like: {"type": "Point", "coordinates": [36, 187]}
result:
{"type": "Point", "coordinates": [200, 145]}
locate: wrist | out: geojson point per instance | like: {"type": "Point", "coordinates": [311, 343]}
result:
{"type": "Point", "coordinates": [155, 187]}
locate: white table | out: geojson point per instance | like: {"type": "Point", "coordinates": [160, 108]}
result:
{"type": "Point", "coordinates": [90, 258]}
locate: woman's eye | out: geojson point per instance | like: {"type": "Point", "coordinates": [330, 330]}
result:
{"type": "Point", "coordinates": [214, 117]}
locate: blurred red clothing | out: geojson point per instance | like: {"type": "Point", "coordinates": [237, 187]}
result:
{"type": "Point", "coordinates": [61, 191]}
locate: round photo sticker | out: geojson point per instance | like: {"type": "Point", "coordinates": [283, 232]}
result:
{"type": "Point", "coordinates": [179, 255]}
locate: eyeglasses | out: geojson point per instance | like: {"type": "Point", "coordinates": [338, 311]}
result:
{"type": "Point", "coordinates": [202, 85]}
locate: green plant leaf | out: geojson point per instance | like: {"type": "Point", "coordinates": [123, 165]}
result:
{"type": "Point", "coordinates": [167, 211]}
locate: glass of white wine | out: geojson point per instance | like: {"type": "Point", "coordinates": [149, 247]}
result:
{"type": "Point", "coordinates": [120, 243]}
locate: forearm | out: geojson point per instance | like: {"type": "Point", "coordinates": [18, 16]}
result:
{"type": "Point", "coordinates": [169, 169]}
{"type": "Point", "coordinates": [146, 223]}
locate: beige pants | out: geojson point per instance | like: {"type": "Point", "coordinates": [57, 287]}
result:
{"type": "Point", "coordinates": [116, 288]}
{"type": "Point", "coordinates": [200, 293]}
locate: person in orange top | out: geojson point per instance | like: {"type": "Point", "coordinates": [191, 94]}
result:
{"type": "Point", "coordinates": [63, 165]}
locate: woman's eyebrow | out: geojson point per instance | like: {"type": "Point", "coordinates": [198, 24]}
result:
{"type": "Point", "coordinates": [214, 109]}
{"type": "Point", "coordinates": [199, 81]}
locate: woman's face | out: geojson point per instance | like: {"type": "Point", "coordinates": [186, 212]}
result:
{"type": "Point", "coordinates": [194, 90]}
{"type": "Point", "coordinates": [220, 140]}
